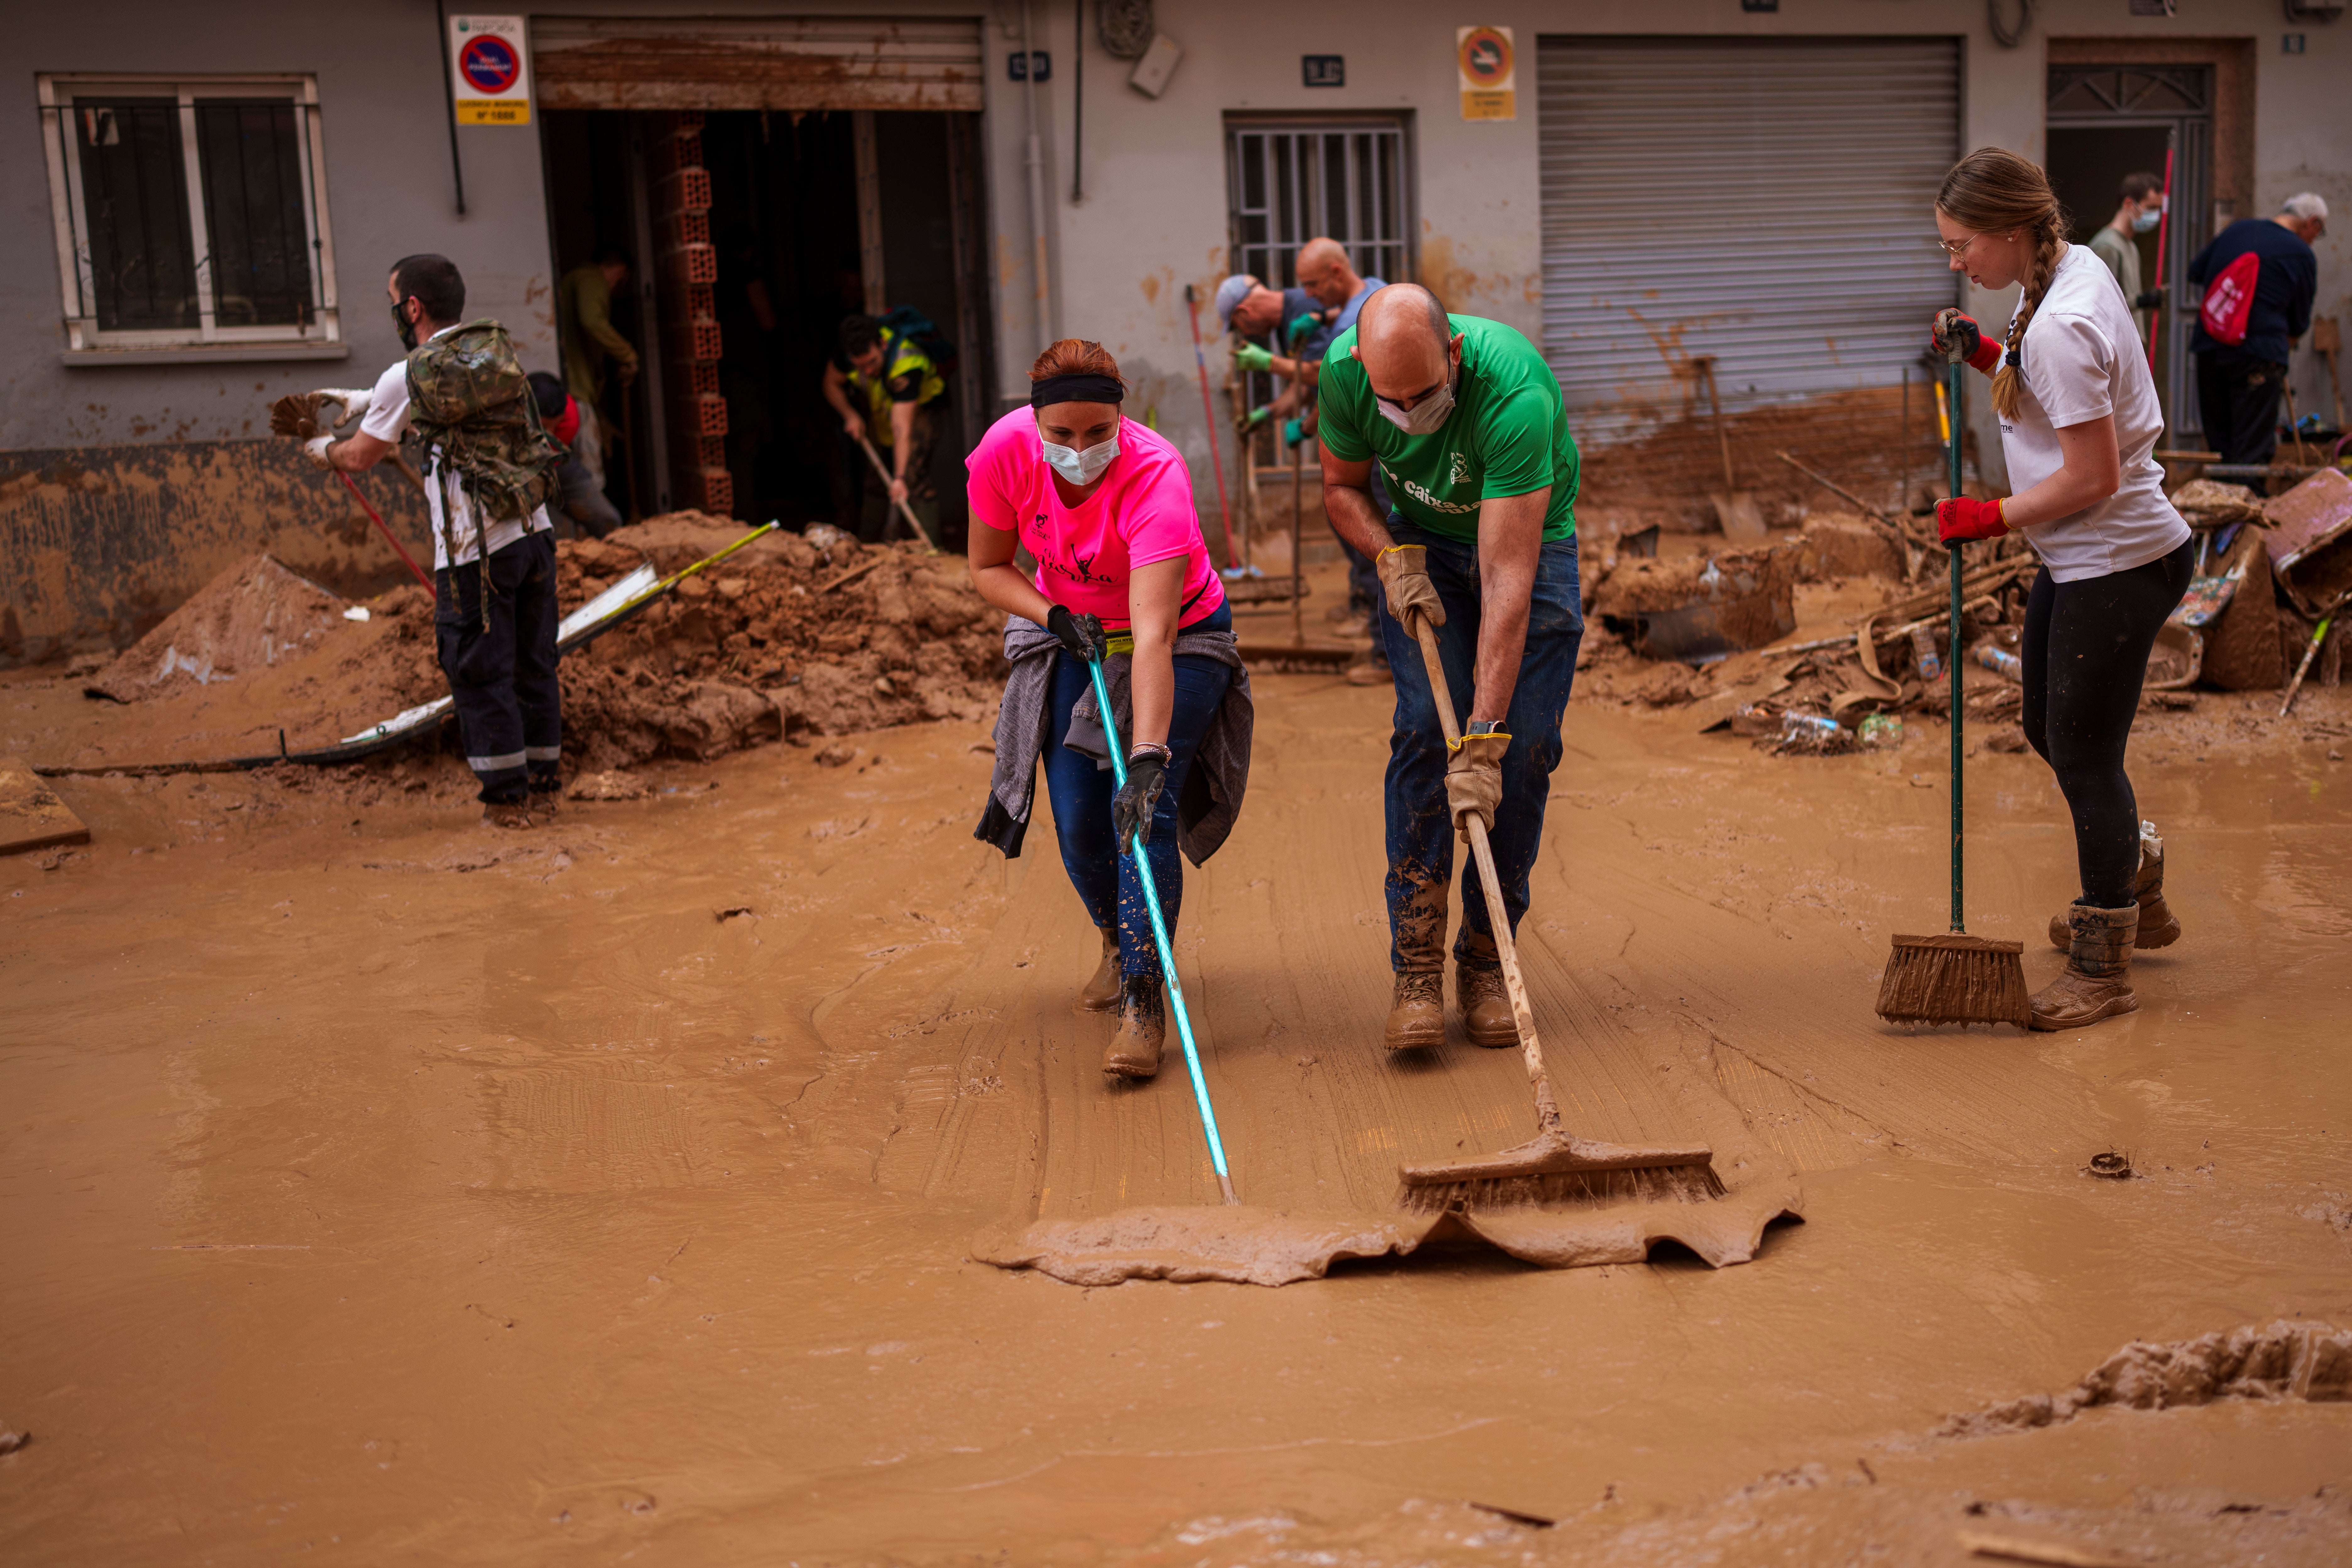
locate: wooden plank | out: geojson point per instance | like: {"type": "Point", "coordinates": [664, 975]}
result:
{"type": "Point", "coordinates": [31, 815]}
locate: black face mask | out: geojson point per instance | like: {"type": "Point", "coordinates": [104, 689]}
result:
{"type": "Point", "coordinates": [402, 325]}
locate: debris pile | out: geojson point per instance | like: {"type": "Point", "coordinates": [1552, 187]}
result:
{"type": "Point", "coordinates": [816, 634]}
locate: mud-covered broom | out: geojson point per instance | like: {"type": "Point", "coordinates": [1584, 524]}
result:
{"type": "Point", "coordinates": [1954, 978]}
{"type": "Point", "coordinates": [1555, 1166]}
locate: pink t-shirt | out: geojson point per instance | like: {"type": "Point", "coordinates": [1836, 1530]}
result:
{"type": "Point", "coordinates": [1141, 513]}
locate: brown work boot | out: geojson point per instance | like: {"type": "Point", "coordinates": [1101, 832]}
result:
{"type": "Point", "coordinates": [1368, 669]}
{"type": "Point", "coordinates": [1485, 1006]}
{"type": "Point", "coordinates": [546, 806]}
{"type": "Point", "coordinates": [505, 813]}
{"type": "Point", "coordinates": [1142, 1026]}
{"type": "Point", "coordinates": [2159, 926]}
{"type": "Point", "coordinates": [2096, 981]}
{"type": "Point", "coordinates": [1417, 1011]}
{"type": "Point", "coordinates": [1100, 995]}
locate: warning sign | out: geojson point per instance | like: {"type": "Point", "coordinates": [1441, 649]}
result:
{"type": "Point", "coordinates": [490, 70]}
{"type": "Point", "coordinates": [1488, 65]}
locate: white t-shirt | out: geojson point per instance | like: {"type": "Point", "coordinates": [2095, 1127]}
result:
{"type": "Point", "coordinates": [387, 420]}
{"type": "Point", "coordinates": [2084, 359]}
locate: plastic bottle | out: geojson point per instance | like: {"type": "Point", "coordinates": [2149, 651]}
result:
{"type": "Point", "coordinates": [1809, 727]}
{"type": "Point", "coordinates": [1999, 660]}
{"type": "Point", "coordinates": [1924, 654]}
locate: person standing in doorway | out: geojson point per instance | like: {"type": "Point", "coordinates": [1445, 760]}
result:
{"type": "Point", "coordinates": [583, 319]}
{"type": "Point", "coordinates": [2079, 424]}
{"type": "Point", "coordinates": [883, 384]}
{"type": "Point", "coordinates": [2139, 208]}
{"type": "Point", "coordinates": [1469, 423]}
{"type": "Point", "coordinates": [2260, 277]}
{"type": "Point", "coordinates": [494, 611]}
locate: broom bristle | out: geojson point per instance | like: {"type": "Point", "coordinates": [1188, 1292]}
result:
{"type": "Point", "coordinates": [1954, 979]}
{"type": "Point", "coordinates": [1648, 1183]}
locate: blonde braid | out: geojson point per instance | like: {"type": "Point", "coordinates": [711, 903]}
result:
{"type": "Point", "coordinates": [2009, 382]}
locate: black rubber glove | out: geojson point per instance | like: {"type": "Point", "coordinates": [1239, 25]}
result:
{"type": "Point", "coordinates": [1138, 799]}
{"type": "Point", "coordinates": [1081, 633]}
{"type": "Point", "coordinates": [2148, 300]}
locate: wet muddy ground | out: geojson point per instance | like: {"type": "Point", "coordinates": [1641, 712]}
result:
{"type": "Point", "coordinates": [379, 1184]}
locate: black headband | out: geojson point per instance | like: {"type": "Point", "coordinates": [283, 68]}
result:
{"type": "Point", "coordinates": [1080, 388]}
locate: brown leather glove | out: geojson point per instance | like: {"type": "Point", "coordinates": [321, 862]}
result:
{"type": "Point", "coordinates": [1405, 582]}
{"type": "Point", "coordinates": [1474, 780]}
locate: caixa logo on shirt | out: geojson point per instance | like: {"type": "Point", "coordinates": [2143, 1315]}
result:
{"type": "Point", "coordinates": [1421, 493]}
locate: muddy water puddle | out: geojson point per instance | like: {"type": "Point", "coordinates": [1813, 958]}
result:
{"type": "Point", "coordinates": [379, 1184]}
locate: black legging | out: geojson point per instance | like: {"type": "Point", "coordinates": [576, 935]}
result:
{"type": "Point", "coordinates": [2085, 650]}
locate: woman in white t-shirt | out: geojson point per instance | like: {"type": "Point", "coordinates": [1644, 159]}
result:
{"type": "Point", "coordinates": [2079, 420]}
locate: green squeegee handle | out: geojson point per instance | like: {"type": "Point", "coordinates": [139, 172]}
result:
{"type": "Point", "coordinates": [1952, 658]}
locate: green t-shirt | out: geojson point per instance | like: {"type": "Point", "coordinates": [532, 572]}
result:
{"type": "Point", "coordinates": [1507, 434]}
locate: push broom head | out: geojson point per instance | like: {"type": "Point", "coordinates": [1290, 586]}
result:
{"type": "Point", "coordinates": [1954, 979]}
{"type": "Point", "coordinates": [1555, 1169]}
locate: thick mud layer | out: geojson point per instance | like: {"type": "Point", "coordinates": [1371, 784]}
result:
{"type": "Point", "coordinates": [382, 1184]}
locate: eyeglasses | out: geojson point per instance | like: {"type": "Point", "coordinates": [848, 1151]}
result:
{"type": "Point", "coordinates": [1960, 250]}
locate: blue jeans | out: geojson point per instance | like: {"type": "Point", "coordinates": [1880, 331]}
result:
{"type": "Point", "coordinates": [1081, 792]}
{"type": "Point", "coordinates": [1421, 829]}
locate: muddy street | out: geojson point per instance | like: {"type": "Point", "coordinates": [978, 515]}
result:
{"type": "Point", "coordinates": [386, 1184]}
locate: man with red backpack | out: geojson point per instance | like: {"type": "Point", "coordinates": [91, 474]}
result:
{"type": "Point", "coordinates": [491, 469]}
{"type": "Point", "coordinates": [2260, 277]}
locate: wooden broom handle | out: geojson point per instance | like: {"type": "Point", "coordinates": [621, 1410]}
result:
{"type": "Point", "coordinates": [1548, 1118]}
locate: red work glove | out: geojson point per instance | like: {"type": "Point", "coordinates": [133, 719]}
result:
{"type": "Point", "coordinates": [1956, 333]}
{"type": "Point", "coordinates": [1962, 517]}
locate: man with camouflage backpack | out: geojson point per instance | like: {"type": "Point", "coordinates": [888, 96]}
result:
{"type": "Point", "coordinates": [489, 471]}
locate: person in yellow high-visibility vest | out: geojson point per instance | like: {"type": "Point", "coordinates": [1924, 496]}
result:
{"type": "Point", "coordinates": [883, 386]}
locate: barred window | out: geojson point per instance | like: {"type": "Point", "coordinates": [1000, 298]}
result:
{"type": "Point", "coordinates": [189, 218]}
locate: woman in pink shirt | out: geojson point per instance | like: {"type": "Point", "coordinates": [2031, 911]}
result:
{"type": "Point", "coordinates": [1105, 507]}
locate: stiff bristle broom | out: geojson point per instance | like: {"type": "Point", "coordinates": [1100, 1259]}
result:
{"type": "Point", "coordinates": [1954, 978]}
{"type": "Point", "coordinates": [1555, 1166]}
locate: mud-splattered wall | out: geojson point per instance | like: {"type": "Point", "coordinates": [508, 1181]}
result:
{"type": "Point", "coordinates": [103, 542]}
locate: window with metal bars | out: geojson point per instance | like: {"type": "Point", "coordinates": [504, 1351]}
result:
{"type": "Point", "coordinates": [188, 215]}
{"type": "Point", "coordinates": [1289, 181]}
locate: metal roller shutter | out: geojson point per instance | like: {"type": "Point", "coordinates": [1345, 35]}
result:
{"type": "Point", "coordinates": [1765, 201]}
{"type": "Point", "coordinates": [756, 62]}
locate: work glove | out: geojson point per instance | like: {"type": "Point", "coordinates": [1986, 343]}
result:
{"type": "Point", "coordinates": [1958, 340]}
{"type": "Point", "coordinates": [353, 400]}
{"type": "Point", "coordinates": [315, 448]}
{"type": "Point", "coordinates": [1138, 799]}
{"type": "Point", "coordinates": [1081, 633]}
{"type": "Point", "coordinates": [1293, 432]}
{"type": "Point", "coordinates": [2148, 300]}
{"type": "Point", "coordinates": [1964, 518]}
{"type": "Point", "coordinates": [1249, 356]}
{"type": "Point", "coordinates": [1305, 323]}
{"type": "Point", "coordinates": [1404, 581]}
{"type": "Point", "coordinates": [1256, 418]}
{"type": "Point", "coordinates": [1474, 780]}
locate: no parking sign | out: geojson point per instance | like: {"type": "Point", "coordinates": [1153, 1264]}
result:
{"type": "Point", "coordinates": [490, 70]}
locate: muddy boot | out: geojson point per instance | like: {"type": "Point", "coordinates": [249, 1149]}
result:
{"type": "Point", "coordinates": [505, 813]}
{"type": "Point", "coordinates": [2096, 981]}
{"type": "Point", "coordinates": [2159, 926]}
{"type": "Point", "coordinates": [546, 806]}
{"type": "Point", "coordinates": [1485, 1006]}
{"type": "Point", "coordinates": [1417, 1011]}
{"type": "Point", "coordinates": [1142, 1026]}
{"type": "Point", "coordinates": [1100, 994]}
{"type": "Point", "coordinates": [1368, 669]}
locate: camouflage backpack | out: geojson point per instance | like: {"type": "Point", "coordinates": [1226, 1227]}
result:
{"type": "Point", "coordinates": [472, 405]}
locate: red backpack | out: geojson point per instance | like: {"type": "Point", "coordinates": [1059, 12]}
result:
{"type": "Point", "coordinates": [2230, 300]}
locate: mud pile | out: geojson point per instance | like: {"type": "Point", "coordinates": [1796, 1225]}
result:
{"type": "Point", "coordinates": [252, 618]}
{"type": "Point", "coordinates": [2282, 1360]}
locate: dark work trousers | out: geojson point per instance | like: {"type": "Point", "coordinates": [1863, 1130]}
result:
{"type": "Point", "coordinates": [1364, 578]}
{"type": "Point", "coordinates": [1106, 881]}
{"type": "Point", "coordinates": [509, 710]}
{"type": "Point", "coordinates": [2084, 652]}
{"type": "Point", "coordinates": [2238, 396]}
{"type": "Point", "coordinates": [1420, 825]}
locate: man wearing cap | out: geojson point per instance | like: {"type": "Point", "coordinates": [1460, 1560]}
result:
{"type": "Point", "coordinates": [1250, 309]}
{"type": "Point", "coordinates": [1465, 420]}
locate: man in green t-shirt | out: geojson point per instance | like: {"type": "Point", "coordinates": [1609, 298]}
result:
{"type": "Point", "coordinates": [1466, 424]}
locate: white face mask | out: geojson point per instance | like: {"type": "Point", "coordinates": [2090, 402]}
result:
{"type": "Point", "coordinates": [1081, 467]}
{"type": "Point", "coordinates": [1423, 418]}
{"type": "Point", "coordinates": [2142, 222]}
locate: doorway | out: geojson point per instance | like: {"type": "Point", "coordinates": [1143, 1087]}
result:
{"type": "Point", "coordinates": [2109, 122]}
{"type": "Point", "coordinates": [753, 238]}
